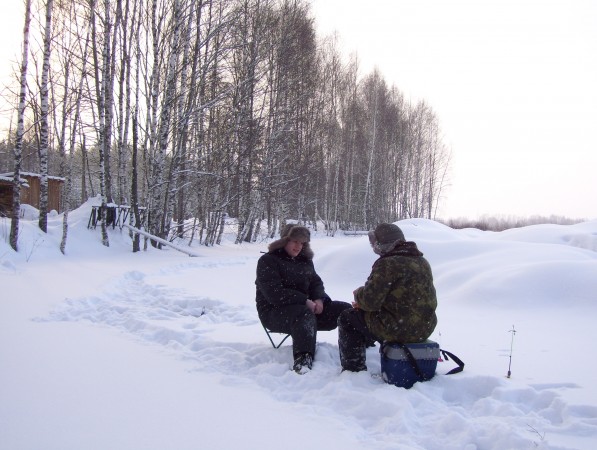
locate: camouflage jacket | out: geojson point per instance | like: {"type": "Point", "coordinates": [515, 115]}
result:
{"type": "Point", "coordinates": [399, 298]}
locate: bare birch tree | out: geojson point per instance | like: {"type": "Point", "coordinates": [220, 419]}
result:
{"type": "Point", "coordinates": [44, 119]}
{"type": "Point", "coordinates": [135, 213]}
{"type": "Point", "coordinates": [247, 75]}
{"type": "Point", "coordinates": [236, 111]}
{"type": "Point", "coordinates": [100, 75]}
{"type": "Point", "coordinates": [16, 193]}
{"type": "Point", "coordinates": [79, 45]}
{"type": "Point", "coordinates": [160, 195]}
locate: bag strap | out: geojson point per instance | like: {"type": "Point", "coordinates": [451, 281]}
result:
{"type": "Point", "coordinates": [413, 361]}
{"type": "Point", "coordinates": [456, 359]}
{"type": "Point", "coordinates": [415, 364]}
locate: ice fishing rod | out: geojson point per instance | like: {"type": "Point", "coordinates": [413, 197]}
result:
{"type": "Point", "coordinates": [513, 331]}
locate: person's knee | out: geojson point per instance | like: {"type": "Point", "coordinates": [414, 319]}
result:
{"type": "Point", "coordinates": [344, 318]}
{"type": "Point", "coordinates": [306, 317]}
{"type": "Point", "coordinates": [346, 306]}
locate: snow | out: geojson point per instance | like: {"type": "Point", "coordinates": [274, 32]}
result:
{"type": "Point", "coordinates": [102, 348]}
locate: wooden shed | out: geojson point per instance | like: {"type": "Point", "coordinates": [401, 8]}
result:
{"type": "Point", "coordinates": [30, 191]}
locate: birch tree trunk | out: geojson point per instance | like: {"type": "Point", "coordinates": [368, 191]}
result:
{"type": "Point", "coordinates": [18, 148]}
{"type": "Point", "coordinates": [110, 38]}
{"type": "Point", "coordinates": [44, 128]}
{"type": "Point", "coordinates": [100, 87]}
{"type": "Point", "coordinates": [250, 39]}
{"type": "Point", "coordinates": [135, 148]}
{"type": "Point", "coordinates": [372, 149]}
{"type": "Point", "coordinates": [161, 193]}
{"type": "Point", "coordinates": [68, 159]}
{"type": "Point", "coordinates": [124, 97]}
{"type": "Point", "coordinates": [156, 187]}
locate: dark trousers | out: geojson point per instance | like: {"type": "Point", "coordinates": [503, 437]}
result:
{"type": "Point", "coordinates": [353, 339]}
{"type": "Point", "coordinates": [302, 324]}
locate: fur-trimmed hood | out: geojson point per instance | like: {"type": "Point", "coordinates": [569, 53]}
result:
{"type": "Point", "coordinates": [292, 231]}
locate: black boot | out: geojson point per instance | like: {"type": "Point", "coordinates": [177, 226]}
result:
{"type": "Point", "coordinates": [303, 363]}
{"type": "Point", "coordinates": [352, 343]}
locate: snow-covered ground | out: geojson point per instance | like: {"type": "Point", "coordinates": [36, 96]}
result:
{"type": "Point", "coordinates": [106, 349]}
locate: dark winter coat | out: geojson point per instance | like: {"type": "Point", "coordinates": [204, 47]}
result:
{"type": "Point", "coordinates": [283, 280]}
{"type": "Point", "coordinates": [399, 298]}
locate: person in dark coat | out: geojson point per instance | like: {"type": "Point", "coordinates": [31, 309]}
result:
{"type": "Point", "coordinates": [291, 297]}
{"type": "Point", "coordinates": [396, 304]}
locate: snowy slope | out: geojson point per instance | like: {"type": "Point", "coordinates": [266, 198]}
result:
{"type": "Point", "coordinates": [106, 349]}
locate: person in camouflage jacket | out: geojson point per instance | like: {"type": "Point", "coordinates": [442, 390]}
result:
{"type": "Point", "coordinates": [396, 304]}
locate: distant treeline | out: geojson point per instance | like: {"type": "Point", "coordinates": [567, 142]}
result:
{"type": "Point", "coordinates": [486, 223]}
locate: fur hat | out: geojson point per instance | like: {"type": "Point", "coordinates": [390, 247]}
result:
{"type": "Point", "coordinates": [292, 231]}
{"type": "Point", "coordinates": [297, 232]}
{"type": "Point", "coordinates": [385, 237]}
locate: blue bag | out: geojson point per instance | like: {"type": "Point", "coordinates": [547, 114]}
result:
{"type": "Point", "coordinates": [404, 364]}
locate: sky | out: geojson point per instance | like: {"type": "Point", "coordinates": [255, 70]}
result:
{"type": "Point", "coordinates": [512, 83]}
{"type": "Point", "coordinates": [102, 348]}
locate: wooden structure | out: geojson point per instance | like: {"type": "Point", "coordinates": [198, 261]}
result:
{"type": "Point", "coordinates": [5, 196]}
{"type": "Point", "coordinates": [30, 191]}
{"type": "Point", "coordinates": [115, 215]}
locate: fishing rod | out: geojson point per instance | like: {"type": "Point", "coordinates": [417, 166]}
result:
{"type": "Point", "coordinates": [513, 331]}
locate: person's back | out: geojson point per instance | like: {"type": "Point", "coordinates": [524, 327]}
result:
{"type": "Point", "coordinates": [399, 299]}
{"type": "Point", "coordinates": [397, 303]}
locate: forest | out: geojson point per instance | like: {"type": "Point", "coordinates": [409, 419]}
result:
{"type": "Point", "coordinates": [197, 111]}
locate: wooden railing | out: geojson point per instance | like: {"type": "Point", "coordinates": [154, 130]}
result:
{"type": "Point", "coordinates": [116, 215]}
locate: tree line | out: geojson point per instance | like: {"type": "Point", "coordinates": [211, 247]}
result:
{"type": "Point", "coordinates": [200, 110]}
